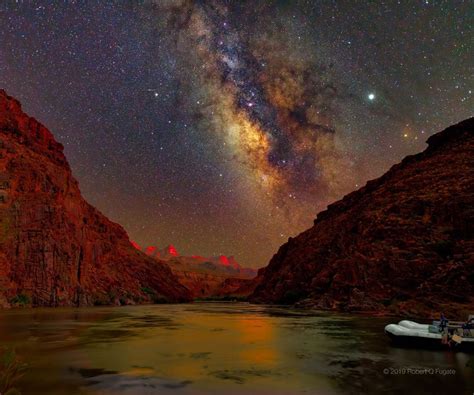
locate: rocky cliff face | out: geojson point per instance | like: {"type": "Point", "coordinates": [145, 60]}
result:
{"type": "Point", "coordinates": [55, 248]}
{"type": "Point", "coordinates": [403, 244]}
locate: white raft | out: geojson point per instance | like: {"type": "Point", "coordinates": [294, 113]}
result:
{"type": "Point", "coordinates": [413, 334]}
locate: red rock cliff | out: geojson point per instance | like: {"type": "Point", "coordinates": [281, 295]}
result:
{"type": "Point", "coordinates": [403, 244]}
{"type": "Point", "coordinates": [55, 248]}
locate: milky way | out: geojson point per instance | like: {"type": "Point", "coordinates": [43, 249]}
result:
{"type": "Point", "coordinates": [273, 107]}
{"type": "Point", "coordinates": [223, 127]}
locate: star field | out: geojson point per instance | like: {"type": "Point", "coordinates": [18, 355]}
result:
{"type": "Point", "coordinates": [224, 127]}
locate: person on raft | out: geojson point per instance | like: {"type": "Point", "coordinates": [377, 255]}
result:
{"type": "Point", "coordinates": [443, 322]}
{"type": "Point", "coordinates": [466, 327]}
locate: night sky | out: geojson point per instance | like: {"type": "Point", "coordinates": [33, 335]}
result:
{"type": "Point", "coordinates": [224, 127]}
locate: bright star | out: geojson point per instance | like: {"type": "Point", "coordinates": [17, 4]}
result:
{"type": "Point", "coordinates": [371, 96]}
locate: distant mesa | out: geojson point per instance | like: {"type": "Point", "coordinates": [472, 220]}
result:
{"type": "Point", "coordinates": [223, 260]}
{"type": "Point", "coordinates": [170, 252]}
{"type": "Point", "coordinates": [153, 251]}
{"type": "Point", "coordinates": [55, 248]}
{"type": "Point", "coordinates": [403, 244]}
{"type": "Point", "coordinates": [205, 277]}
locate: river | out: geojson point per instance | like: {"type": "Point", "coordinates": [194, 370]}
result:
{"type": "Point", "coordinates": [220, 348]}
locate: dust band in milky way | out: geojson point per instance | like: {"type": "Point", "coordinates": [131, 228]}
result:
{"type": "Point", "coordinates": [273, 108]}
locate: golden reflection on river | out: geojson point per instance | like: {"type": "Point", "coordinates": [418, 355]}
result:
{"type": "Point", "coordinates": [258, 333]}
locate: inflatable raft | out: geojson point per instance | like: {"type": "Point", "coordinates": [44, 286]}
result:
{"type": "Point", "coordinates": [411, 334]}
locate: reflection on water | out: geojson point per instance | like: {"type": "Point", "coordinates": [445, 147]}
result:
{"type": "Point", "coordinates": [219, 348]}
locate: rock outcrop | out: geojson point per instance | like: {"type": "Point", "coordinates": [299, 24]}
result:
{"type": "Point", "coordinates": [240, 288]}
{"type": "Point", "coordinates": [402, 244]}
{"type": "Point", "coordinates": [55, 248]}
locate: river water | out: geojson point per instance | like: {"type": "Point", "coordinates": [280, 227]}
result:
{"type": "Point", "coordinates": [220, 348]}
